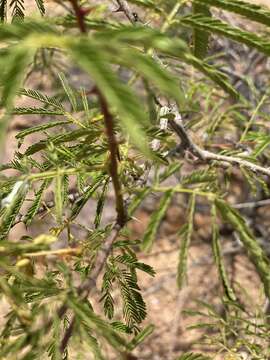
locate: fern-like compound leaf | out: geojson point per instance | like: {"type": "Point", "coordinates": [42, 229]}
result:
{"type": "Point", "coordinates": [186, 233]}
{"type": "Point", "coordinates": [218, 258]}
{"type": "Point", "coordinates": [200, 37]}
{"type": "Point", "coordinates": [204, 23]}
{"type": "Point", "coordinates": [39, 128]}
{"type": "Point", "coordinates": [33, 210]}
{"type": "Point", "coordinates": [41, 7]}
{"type": "Point", "coordinates": [155, 221]}
{"type": "Point", "coordinates": [3, 10]}
{"type": "Point", "coordinates": [255, 251]}
{"type": "Point", "coordinates": [37, 95]}
{"type": "Point", "coordinates": [13, 204]}
{"type": "Point", "coordinates": [249, 10]}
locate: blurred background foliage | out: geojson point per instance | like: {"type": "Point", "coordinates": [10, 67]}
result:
{"type": "Point", "coordinates": [112, 105]}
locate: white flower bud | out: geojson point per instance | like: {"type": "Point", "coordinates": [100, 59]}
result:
{"type": "Point", "coordinates": [155, 144]}
{"type": "Point", "coordinates": [163, 124]}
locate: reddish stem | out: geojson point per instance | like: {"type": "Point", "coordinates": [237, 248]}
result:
{"type": "Point", "coordinates": [80, 14]}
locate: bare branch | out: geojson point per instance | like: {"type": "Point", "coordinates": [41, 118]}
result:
{"type": "Point", "coordinates": [79, 13]}
{"type": "Point", "coordinates": [207, 156]}
{"type": "Point", "coordinates": [252, 204]}
{"type": "Point", "coordinates": [130, 15]}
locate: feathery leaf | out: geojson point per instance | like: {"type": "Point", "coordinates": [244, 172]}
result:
{"type": "Point", "coordinates": [155, 221]}
{"type": "Point", "coordinates": [200, 38]}
{"type": "Point", "coordinates": [185, 233]}
{"type": "Point", "coordinates": [250, 11]}
{"type": "Point", "coordinates": [256, 253]}
{"type": "Point", "coordinates": [13, 204]}
{"type": "Point", "coordinates": [33, 210]}
{"type": "Point", "coordinates": [218, 258]}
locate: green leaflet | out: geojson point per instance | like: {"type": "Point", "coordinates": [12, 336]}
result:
{"type": "Point", "coordinates": [165, 45]}
{"type": "Point", "coordinates": [41, 7]}
{"type": "Point", "coordinates": [58, 197]}
{"type": "Point", "coordinates": [141, 336]}
{"type": "Point", "coordinates": [134, 307]}
{"type": "Point", "coordinates": [96, 24]}
{"type": "Point", "coordinates": [257, 255]}
{"type": "Point", "coordinates": [16, 297]}
{"type": "Point", "coordinates": [13, 203]}
{"type": "Point", "coordinates": [35, 111]}
{"type": "Point", "coordinates": [171, 169]}
{"type": "Point", "coordinates": [84, 313]}
{"type": "Point", "coordinates": [15, 64]}
{"type": "Point", "coordinates": [39, 128]}
{"type": "Point", "coordinates": [85, 102]}
{"type": "Point", "coordinates": [20, 30]}
{"type": "Point", "coordinates": [58, 139]}
{"type": "Point", "coordinates": [94, 56]}
{"type": "Point", "coordinates": [155, 221]}
{"type": "Point", "coordinates": [65, 189]}
{"type": "Point", "coordinates": [186, 233]}
{"type": "Point", "coordinates": [137, 200]}
{"type": "Point", "coordinates": [54, 345]}
{"type": "Point", "coordinates": [45, 99]}
{"type": "Point", "coordinates": [3, 10]}
{"type": "Point", "coordinates": [33, 210]}
{"type": "Point", "coordinates": [200, 38]}
{"type": "Point", "coordinates": [121, 327]}
{"type": "Point", "coordinates": [218, 258]}
{"type": "Point", "coordinates": [199, 176]}
{"type": "Point", "coordinates": [107, 288]}
{"type": "Point", "coordinates": [149, 4]}
{"type": "Point", "coordinates": [141, 36]}
{"type": "Point", "coordinates": [18, 9]}
{"type": "Point", "coordinates": [261, 147]}
{"type": "Point", "coordinates": [117, 94]}
{"type": "Point", "coordinates": [92, 343]}
{"type": "Point", "coordinates": [69, 91]}
{"type": "Point", "coordinates": [100, 203]}
{"type": "Point", "coordinates": [153, 72]}
{"type": "Point", "coordinates": [193, 356]}
{"type": "Point", "coordinates": [16, 346]}
{"type": "Point", "coordinates": [79, 204]}
{"type": "Point", "coordinates": [204, 23]}
{"type": "Point", "coordinates": [124, 272]}
{"type": "Point", "coordinates": [212, 73]}
{"type": "Point", "coordinates": [250, 11]}
{"type": "Point", "coordinates": [132, 262]}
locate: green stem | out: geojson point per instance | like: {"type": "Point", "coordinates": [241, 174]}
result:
{"type": "Point", "coordinates": [172, 15]}
{"type": "Point", "coordinates": [52, 174]}
{"type": "Point", "coordinates": [251, 121]}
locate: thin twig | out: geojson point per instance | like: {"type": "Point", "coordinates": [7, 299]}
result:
{"type": "Point", "coordinates": [188, 144]}
{"type": "Point", "coordinates": [124, 7]}
{"type": "Point", "coordinates": [252, 204]}
{"type": "Point", "coordinates": [79, 13]}
{"type": "Point", "coordinates": [113, 166]}
{"type": "Point", "coordinates": [207, 156]}
{"type": "Point", "coordinates": [89, 284]}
